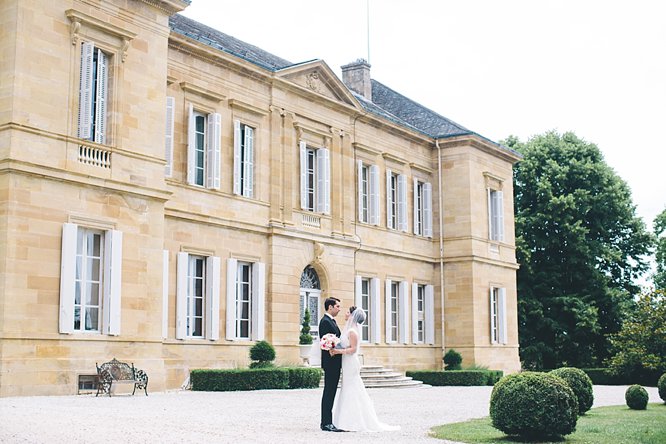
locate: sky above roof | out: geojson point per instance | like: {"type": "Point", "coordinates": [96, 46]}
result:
{"type": "Point", "coordinates": [516, 67]}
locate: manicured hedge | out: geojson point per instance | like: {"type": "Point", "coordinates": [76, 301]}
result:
{"type": "Point", "coordinates": [456, 377]}
{"type": "Point", "coordinates": [216, 380]}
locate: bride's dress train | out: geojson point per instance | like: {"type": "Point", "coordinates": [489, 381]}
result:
{"type": "Point", "coordinates": [353, 409]}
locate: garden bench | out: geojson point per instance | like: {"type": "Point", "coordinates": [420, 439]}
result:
{"type": "Point", "coordinates": [116, 371]}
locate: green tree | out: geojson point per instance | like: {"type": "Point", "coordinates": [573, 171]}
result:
{"type": "Point", "coordinates": [580, 247]}
{"type": "Point", "coordinates": [660, 252]}
{"type": "Point", "coordinates": [640, 345]}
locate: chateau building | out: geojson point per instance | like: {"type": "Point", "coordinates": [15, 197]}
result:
{"type": "Point", "coordinates": [169, 195]}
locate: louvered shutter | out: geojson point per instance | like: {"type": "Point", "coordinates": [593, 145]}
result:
{"type": "Point", "coordinates": [232, 270]}
{"type": "Point", "coordinates": [402, 202]}
{"type": "Point", "coordinates": [86, 92]}
{"type": "Point", "coordinates": [387, 310]}
{"type": "Point", "coordinates": [499, 215]}
{"type": "Point", "coordinates": [417, 229]}
{"type": "Point", "coordinates": [191, 145]}
{"type": "Point", "coordinates": [323, 181]}
{"type": "Point", "coordinates": [238, 135]}
{"type": "Point", "coordinates": [501, 318]}
{"type": "Point", "coordinates": [182, 264]}
{"type": "Point", "coordinates": [213, 151]}
{"type": "Point", "coordinates": [358, 286]}
{"type": "Point", "coordinates": [304, 175]}
{"type": "Point", "coordinates": [67, 278]}
{"type": "Point", "coordinates": [248, 165]}
{"type": "Point", "coordinates": [258, 300]}
{"type": "Point", "coordinates": [100, 97]}
{"type": "Point", "coordinates": [165, 293]}
{"type": "Point", "coordinates": [429, 314]}
{"type": "Point", "coordinates": [389, 200]}
{"type": "Point", "coordinates": [168, 136]}
{"type": "Point", "coordinates": [415, 313]}
{"type": "Point", "coordinates": [359, 181]}
{"type": "Point", "coordinates": [212, 298]}
{"type": "Point", "coordinates": [493, 317]}
{"type": "Point", "coordinates": [403, 312]}
{"type": "Point", "coordinates": [375, 314]}
{"type": "Point", "coordinates": [373, 209]}
{"type": "Point", "coordinates": [427, 209]}
{"type": "Point", "coordinates": [113, 254]}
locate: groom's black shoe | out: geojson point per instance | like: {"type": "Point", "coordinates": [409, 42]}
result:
{"type": "Point", "coordinates": [331, 428]}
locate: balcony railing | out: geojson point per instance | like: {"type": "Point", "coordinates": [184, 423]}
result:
{"type": "Point", "coordinates": [94, 156]}
{"type": "Point", "coordinates": [311, 220]}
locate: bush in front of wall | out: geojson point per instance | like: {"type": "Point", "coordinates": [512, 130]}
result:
{"type": "Point", "coordinates": [580, 383]}
{"type": "Point", "coordinates": [304, 377]}
{"type": "Point", "coordinates": [262, 355]}
{"type": "Point", "coordinates": [239, 379]}
{"type": "Point", "coordinates": [636, 397]}
{"type": "Point", "coordinates": [456, 377]}
{"type": "Point", "coordinates": [305, 337]}
{"type": "Point", "coordinates": [452, 360]}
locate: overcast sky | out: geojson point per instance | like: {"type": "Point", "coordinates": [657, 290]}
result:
{"type": "Point", "coordinates": [499, 68]}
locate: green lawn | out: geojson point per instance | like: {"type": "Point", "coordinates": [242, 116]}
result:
{"type": "Point", "coordinates": [603, 425]}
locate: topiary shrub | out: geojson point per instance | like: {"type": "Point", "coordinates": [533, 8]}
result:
{"type": "Point", "coordinates": [533, 406]}
{"type": "Point", "coordinates": [452, 360]}
{"type": "Point", "coordinates": [661, 385]}
{"type": "Point", "coordinates": [306, 337]}
{"type": "Point", "coordinates": [580, 383]}
{"type": "Point", "coordinates": [636, 397]}
{"type": "Point", "coordinates": [262, 354]}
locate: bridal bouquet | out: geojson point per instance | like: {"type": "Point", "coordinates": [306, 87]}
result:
{"type": "Point", "coordinates": [329, 341]}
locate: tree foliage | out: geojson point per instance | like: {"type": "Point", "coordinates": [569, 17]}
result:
{"type": "Point", "coordinates": [659, 226]}
{"type": "Point", "coordinates": [580, 247]}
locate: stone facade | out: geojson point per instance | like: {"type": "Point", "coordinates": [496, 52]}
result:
{"type": "Point", "coordinates": [52, 178]}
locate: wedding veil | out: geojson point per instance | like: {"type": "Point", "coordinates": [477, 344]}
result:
{"type": "Point", "coordinates": [355, 320]}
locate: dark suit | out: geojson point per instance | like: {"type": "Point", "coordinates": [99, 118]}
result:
{"type": "Point", "coordinates": [331, 366]}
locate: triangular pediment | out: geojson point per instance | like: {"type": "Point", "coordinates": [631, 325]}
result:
{"type": "Point", "coordinates": [316, 76]}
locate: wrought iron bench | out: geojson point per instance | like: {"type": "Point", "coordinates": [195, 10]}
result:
{"type": "Point", "coordinates": [116, 371]}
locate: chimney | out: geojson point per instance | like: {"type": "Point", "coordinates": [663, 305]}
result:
{"type": "Point", "coordinates": [356, 76]}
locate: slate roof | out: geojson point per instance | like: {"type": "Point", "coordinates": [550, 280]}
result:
{"type": "Point", "coordinates": [386, 103]}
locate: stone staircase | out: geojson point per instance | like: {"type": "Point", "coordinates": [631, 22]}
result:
{"type": "Point", "coordinates": [376, 376]}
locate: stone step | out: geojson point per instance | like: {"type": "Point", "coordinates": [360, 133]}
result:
{"type": "Point", "coordinates": [376, 376]}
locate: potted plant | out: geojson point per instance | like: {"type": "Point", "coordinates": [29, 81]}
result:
{"type": "Point", "coordinates": [305, 339]}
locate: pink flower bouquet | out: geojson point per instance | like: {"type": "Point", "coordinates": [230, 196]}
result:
{"type": "Point", "coordinates": [329, 341]}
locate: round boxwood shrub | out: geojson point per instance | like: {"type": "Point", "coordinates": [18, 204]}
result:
{"type": "Point", "coordinates": [661, 385]}
{"type": "Point", "coordinates": [636, 397]}
{"type": "Point", "coordinates": [262, 352]}
{"type": "Point", "coordinates": [452, 360]}
{"type": "Point", "coordinates": [580, 383]}
{"type": "Point", "coordinates": [533, 406]}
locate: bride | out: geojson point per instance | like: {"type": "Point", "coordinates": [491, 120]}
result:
{"type": "Point", "coordinates": [353, 409]}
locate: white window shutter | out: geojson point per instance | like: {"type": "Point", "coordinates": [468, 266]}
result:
{"type": "Point", "coordinates": [212, 317]}
{"type": "Point", "coordinates": [182, 264]}
{"type": "Point", "coordinates": [213, 155]}
{"type": "Point", "coordinates": [416, 207]}
{"type": "Point", "coordinates": [258, 300]}
{"type": "Point", "coordinates": [191, 145]}
{"type": "Point", "coordinates": [86, 92]}
{"type": "Point", "coordinates": [102, 92]}
{"type": "Point", "coordinates": [387, 309]}
{"type": "Point", "coordinates": [67, 278]}
{"type": "Point", "coordinates": [373, 208]}
{"type": "Point", "coordinates": [375, 315]}
{"type": "Point", "coordinates": [237, 157]}
{"type": "Point", "coordinates": [359, 182]}
{"type": "Point", "coordinates": [430, 314]}
{"type": "Point", "coordinates": [248, 173]}
{"type": "Point", "coordinates": [402, 202]}
{"type": "Point", "coordinates": [113, 255]}
{"type": "Point", "coordinates": [427, 209]}
{"type": "Point", "coordinates": [415, 313]}
{"type": "Point", "coordinates": [499, 196]}
{"type": "Point", "coordinates": [165, 293]}
{"type": "Point", "coordinates": [168, 136]}
{"type": "Point", "coordinates": [304, 174]}
{"type": "Point", "coordinates": [493, 317]}
{"type": "Point", "coordinates": [403, 312]}
{"type": "Point", "coordinates": [232, 269]}
{"type": "Point", "coordinates": [357, 291]}
{"type": "Point", "coordinates": [323, 181]}
{"type": "Point", "coordinates": [501, 318]}
{"type": "Point", "coordinates": [389, 206]}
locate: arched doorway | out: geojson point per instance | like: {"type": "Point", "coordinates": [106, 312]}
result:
{"type": "Point", "coordinates": [310, 298]}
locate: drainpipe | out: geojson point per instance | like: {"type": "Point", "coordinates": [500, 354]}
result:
{"type": "Point", "coordinates": [441, 238]}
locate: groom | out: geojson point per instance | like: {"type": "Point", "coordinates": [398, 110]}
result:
{"type": "Point", "coordinates": [330, 364]}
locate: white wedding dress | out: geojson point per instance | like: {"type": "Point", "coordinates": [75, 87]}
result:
{"type": "Point", "coordinates": [353, 409]}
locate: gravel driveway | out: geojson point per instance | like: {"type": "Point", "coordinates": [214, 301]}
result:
{"type": "Point", "coordinates": [267, 416]}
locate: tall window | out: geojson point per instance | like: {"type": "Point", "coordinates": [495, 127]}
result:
{"type": "Point", "coordinates": [243, 159]}
{"type": "Point", "coordinates": [90, 281]}
{"type": "Point", "coordinates": [368, 193]}
{"type": "Point", "coordinates": [498, 315]}
{"type": "Point", "coordinates": [198, 297]}
{"type": "Point", "coordinates": [495, 215]}
{"type": "Point", "coordinates": [245, 300]}
{"type": "Point", "coordinates": [418, 315]}
{"type": "Point", "coordinates": [396, 201]}
{"type": "Point", "coordinates": [396, 311]}
{"type": "Point", "coordinates": [367, 297]}
{"type": "Point", "coordinates": [93, 93]}
{"type": "Point", "coordinates": [393, 311]}
{"type": "Point", "coordinates": [310, 298]}
{"type": "Point", "coordinates": [203, 149]}
{"type": "Point", "coordinates": [365, 305]}
{"type": "Point", "coordinates": [315, 179]}
{"type": "Point", "coordinates": [422, 208]}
